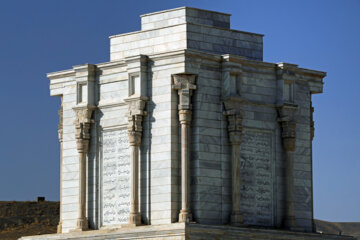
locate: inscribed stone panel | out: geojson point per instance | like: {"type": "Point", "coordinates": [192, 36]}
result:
{"type": "Point", "coordinates": [115, 177]}
{"type": "Point", "coordinates": [257, 178]}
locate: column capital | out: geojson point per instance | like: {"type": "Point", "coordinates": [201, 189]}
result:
{"type": "Point", "coordinates": [234, 126]}
{"type": "Point", "coordinates": [184, 83]}
{"type": "Point", "coordinates": [135, 116]}
{"type": "Point", "coordinates": [288, 135]}
{"type": "Point", "coordinates": [287, 120]}
{"type": "Point", "coordinates": [82, 126]}
{"type": "Point", "coordinates": [234, 120]}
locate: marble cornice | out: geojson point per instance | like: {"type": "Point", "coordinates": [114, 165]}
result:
{"type": "Point", "coordinates": [111, 64]}
{"type": "Point", "coordinates": [142, 31]}
{"type": "Point", "coordinates": [61, 74]}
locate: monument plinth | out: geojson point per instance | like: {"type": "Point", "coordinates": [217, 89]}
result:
{"type": "Point", "coordinates": [186, 133]}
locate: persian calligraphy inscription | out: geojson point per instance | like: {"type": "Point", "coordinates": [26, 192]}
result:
{"type": "Point", "coordinates": [256, 175]}
{"type": "Point", "coordinates": [115, 177]}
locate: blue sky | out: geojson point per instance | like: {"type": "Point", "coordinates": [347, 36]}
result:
{"type": "Point", "coordinates": [37, 37]}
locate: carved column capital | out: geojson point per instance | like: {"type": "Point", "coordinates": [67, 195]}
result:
{"type": "Point", "coordinates": [82, 128]}
{"type": "Point", "coordinates": [184, 84]}
{"type": "Point", "coordinates": [135, 116]}
{"type": "Point", "coordinates": [287, 120]}
{"type": "Point", "coordinates": [234, 126]}
{"type": "Point", "coordinates": [288, 135]}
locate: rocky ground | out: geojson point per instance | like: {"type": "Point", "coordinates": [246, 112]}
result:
{"type": "Point", "coordinates": [19, 219]}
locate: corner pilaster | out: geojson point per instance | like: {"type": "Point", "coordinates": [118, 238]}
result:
{"type": "Point", "coordinates": [85, 99]}
{"type": "Point", "coordinates": [185, 85]}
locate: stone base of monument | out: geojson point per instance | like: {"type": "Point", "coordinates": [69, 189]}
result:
{"type": "Point", "coordinates": [189, 231]}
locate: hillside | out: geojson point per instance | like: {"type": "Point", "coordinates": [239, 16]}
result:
{"type": "Point", "coordinates": [344, 228]}
{"type": "Point", "coordinates": [27, 218]}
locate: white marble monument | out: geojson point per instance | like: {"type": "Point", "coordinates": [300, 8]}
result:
{"type": "Point", "coordinates": [186, 133]}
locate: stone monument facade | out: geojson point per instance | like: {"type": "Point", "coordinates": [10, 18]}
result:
{"type": "Point", "coordinates": [186, 132]}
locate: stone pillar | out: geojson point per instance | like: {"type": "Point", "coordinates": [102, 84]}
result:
{"type": "Point", "coordinates": [235, 135]}
{"type": "Point", "coordinates": [82, 134]}
{"type": "Point", "coordinates": [60, 135]}
{"type": "Point", "coordinates": [135, 118]}
{"type": "Point", "coordinates": [288, 135]}
{"type": "Point", "coordinates": [185, 84]}
{"type": "Point", "coordinates": [312, 134]}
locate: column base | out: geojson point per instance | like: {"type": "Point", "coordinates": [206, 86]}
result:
{"type": "Point", "coordinates": [237, 219]}
{"type": "Point", "coordinates": [81, 225]}
{"type": "Point", "coordinates": [134, 220]}
{"type": "Point", "coordinates": [290, 223]}
{"type": "Point", "coordinates": [185, 216]}
{"type": "Point", "coordinates": [59, 227]}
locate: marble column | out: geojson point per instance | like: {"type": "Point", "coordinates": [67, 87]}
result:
{"type": "Point", "coordinates": [235, 135]}
{"type": "Point", "coordinates": [185, 84]}
{"type": "Point", "coordinates": [60, 135]}
{"type": "Point", "coordinates": [288, 135]}
{"type": "Point", "coordinates": [135, 117]}
{"type": "Point", "coordinates": [82, 134]}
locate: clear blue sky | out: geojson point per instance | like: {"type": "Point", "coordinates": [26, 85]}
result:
{"type": "Point", "coordinates": [37, 37]}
